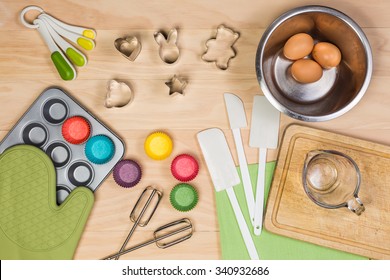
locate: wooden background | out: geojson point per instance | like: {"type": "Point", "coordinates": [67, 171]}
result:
{"type": "Point", "coordinates": [26, 70]}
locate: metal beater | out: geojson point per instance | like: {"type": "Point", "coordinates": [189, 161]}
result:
{"type": "Point", "coordinates": [137, 220]}
{"type": "Point", "coordinates": [183, 226]}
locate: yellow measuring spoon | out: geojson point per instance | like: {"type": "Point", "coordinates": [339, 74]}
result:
{"type": "Point", "coordinates": [84, 42]}
{"type": "Point", "coordinates": [86, 32]}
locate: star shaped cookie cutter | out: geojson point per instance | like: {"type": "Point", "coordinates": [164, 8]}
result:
{"type": "Point", "coordinates": [176, 85]}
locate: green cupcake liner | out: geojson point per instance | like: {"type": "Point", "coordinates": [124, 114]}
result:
{"type": "Point", "coordinates": [183, 197]}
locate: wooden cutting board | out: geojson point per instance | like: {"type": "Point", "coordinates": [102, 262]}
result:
{"type": "Point", "coordinates": [291, 213]}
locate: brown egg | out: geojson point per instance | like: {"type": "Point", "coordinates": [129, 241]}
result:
{"type": "Point", "coordinates": [306, 71]}
{"type": "Point", "coordinates": [327, 55]}
{"type": "Point", "coordinates": [298, 46]}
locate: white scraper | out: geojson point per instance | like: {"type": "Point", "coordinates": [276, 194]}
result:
{"type": "Point", "coordinates": [263, 135]}
{"type": "Point", "coordinates": [224, 175]}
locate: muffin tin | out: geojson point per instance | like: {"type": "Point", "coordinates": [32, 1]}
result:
{"type": "Point", "coordinates": [41, 126]}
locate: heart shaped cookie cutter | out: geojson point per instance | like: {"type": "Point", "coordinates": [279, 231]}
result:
{"type": "Point", "coordinates": [129, 47]}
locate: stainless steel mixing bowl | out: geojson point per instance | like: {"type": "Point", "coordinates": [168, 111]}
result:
{"type": "Point", "coordinates": [339, 89]}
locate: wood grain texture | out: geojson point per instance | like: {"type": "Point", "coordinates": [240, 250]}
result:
{"type": "Point", "coordinates": [125, 14]}
{"type": "Point", "coordinates": [26, 70]}
{"type": "Point", "coordinates": [291, 213]}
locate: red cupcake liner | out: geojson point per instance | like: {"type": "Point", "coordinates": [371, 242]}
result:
{"type": "Point", "coordinates": [77, 134]}
{"type": "Point", "coordinates": [184, 167]}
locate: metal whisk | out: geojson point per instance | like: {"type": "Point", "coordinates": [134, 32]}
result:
{"type": "Point", "coordinates": [180, 226]}
{"type": "Point", "coordinates": [137, 220]}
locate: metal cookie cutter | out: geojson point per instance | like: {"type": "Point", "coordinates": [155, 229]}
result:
{"type": "Point", "coordinates": [176, 85]}
{"type": "Point", "coordinates": [129, 47]}
{"type": "Point", "coordinates": [169, 51]}
{"type": "Point", "coordinates": [183, 228]}
{"type": "Point", "coordinates": [220, 49]}
{"type": "Point", "coordinates": [119, 94]}
{"type": "Point", "coordinates": [137, 220]}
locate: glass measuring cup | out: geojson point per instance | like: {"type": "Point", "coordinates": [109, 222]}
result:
{"type": "Point", "coordinates": [332, 179]}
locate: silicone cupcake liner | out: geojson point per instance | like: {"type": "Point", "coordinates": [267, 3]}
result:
{"type": "Point", "coordinates": [127, 173]}
{"type": "Point", "coordinates": [183, 197]}
{"type": "Point", "coordinates": [184, 167]}
{"type": "Point", "coordinates": [76, 130]}
{"type": "Point", "coordinates": [158, 145]}
{"type": "Point", "coordinates": [99, 149]}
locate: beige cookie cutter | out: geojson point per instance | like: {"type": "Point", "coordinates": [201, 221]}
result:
{"type": "Point", "coordinates": [119, 94]}
{"type": "Point", "coordinates": [169, 51]}
{"type": "Point", "coordinates": [176, 85]}
{"type": "Point", "coordinates": [129, 47]}
{"type": "Point", "coordinates": [220, 49]}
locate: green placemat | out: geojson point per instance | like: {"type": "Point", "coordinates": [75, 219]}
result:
{"type": "Point", "coordinates": [269, 246]}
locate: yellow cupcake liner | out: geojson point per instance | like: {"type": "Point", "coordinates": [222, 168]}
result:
{"type": "Point", "coordinates": [158, 145]}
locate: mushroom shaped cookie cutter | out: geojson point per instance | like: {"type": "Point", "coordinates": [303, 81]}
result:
{"type": "Point", "coordinates": [119, 94]}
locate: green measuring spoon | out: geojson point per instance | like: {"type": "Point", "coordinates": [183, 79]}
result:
{"type": "Point", "coordinates": [64, 67]}
{"type": "Point", "coordinates": [71, 52]}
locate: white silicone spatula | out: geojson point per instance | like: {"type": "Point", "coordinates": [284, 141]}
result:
{"type": "Point", "coordinates": [263, 135]}
{"type": "Point", "coordinates": [224, 175]}
{"type": "Point", "coordinates": [237, 120]}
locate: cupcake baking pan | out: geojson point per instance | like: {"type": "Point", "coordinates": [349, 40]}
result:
{"type": "Point", "coordinates": [43, 126]}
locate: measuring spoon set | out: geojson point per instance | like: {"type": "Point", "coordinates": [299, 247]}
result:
{"type": "Point", "coordinates": [57, 36]}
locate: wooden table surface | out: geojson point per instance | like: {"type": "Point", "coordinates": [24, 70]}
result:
{"type": "Point", "coordinates": [26, 70]}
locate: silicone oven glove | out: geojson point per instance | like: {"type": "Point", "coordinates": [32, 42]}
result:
{"type": "Point", "coordinates": [32, 225]}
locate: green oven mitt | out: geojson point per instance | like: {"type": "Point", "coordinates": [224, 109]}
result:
{"type": "Point", "coordinates": [32, 225]}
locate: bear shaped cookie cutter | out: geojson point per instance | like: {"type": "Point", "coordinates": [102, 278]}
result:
{"type": "Point", "coordinates": [220, 49]}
